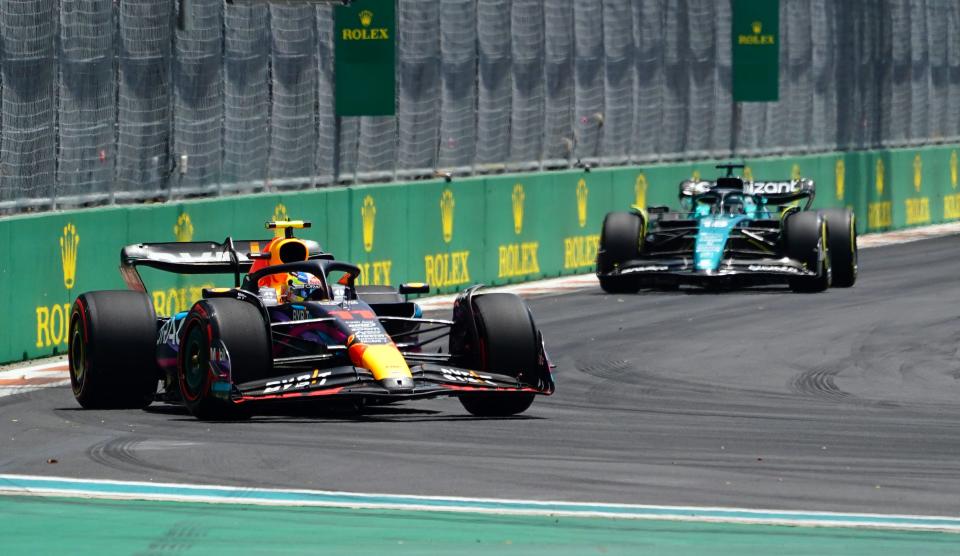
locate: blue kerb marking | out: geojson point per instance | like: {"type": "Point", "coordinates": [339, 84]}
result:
{"type": "Point", "coordinates": [28, 485]}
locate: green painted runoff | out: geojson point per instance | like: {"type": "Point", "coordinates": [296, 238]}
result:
{"type": "Point", "coordinates": [38, 525]}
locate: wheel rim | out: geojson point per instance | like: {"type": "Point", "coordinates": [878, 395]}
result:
{"type": "Point", "coordinates": [78, 358]}
{"type": "Point", "coordinates": [195, 366]}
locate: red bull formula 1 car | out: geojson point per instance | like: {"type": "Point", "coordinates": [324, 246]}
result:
{"type": "Point", "coordinates": [296, 328]}
{"type": "Point", "coordinates": [730, 232]}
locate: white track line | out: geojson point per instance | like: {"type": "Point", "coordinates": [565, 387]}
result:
{"type": "Point", "coordinates": [28, 485]}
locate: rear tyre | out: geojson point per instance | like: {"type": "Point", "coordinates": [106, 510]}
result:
{"type": "Point", "coordinates": [619, 242]}
{"type": "Point", "coordinates": [842, 246]}
{"type": "Point", "coordinates": [508, 344]}
{"type": "Point", "coordinates": [806, 241]}
{"type": "Point", "coordinates": [238, 327]}
{"type": "Point", "coordinates": [112, 350]}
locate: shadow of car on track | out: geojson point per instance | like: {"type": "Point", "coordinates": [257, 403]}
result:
{"type": "Point", "coordinates": [309, 413]}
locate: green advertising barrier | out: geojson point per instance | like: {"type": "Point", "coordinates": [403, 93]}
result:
{"type": "Point", "coordinates": [446, 222]}
{"type": "Point", "coordinates": [495, 230]}
{"type": "Point", "coordinates": [6, 291]}
{"type": "Point", "coordinates": [379, 238]}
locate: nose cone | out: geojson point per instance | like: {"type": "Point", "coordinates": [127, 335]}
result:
{"type": "Point", "coordinates": [386, 363]}
{"type": "Point", "coordinates": [398, 384]}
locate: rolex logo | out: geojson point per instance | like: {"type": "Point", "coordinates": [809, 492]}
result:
{"type": "Point", "coordinates": [795, 174]}
{"type": "Point", "coordinates": [953, 169]}
{"type": "Point", "coordinates": [748, 174]}
{"type": "Point", "coordinates": [841, 176]}
{"type": "Point", "coordinates": [447, 205]}
{"type": "Point", "coordinates": [757, 27]}
{"type": "Point", "coordinates": [582, 193]}
{"type": "Point", "coordinates": [366, 18]}
{"type": "Point", "coordinates": [369, 214]}
{"type": "Point", "coordinates": [917, 172]}
{"type": "Point", "coordinates": [695, 176]}
{"type": "Point", "coordinates": [279, 215]}
{"type": "Point", "coordinates": [640, 192]}
{"type": "Point", "coordinates": [183, 229]}
{"type": "Point", "coordinates": [879, 176]}
{"type": "Point", "coordinates": [68, 254]}
{"type": "Point", "coordinates": [517, 198]}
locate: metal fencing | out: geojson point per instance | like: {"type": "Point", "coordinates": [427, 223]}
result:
{"type": "Point", "coordinates": [107, 101]}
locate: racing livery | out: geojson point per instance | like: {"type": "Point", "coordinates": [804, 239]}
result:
{"type": "Point", "coordinates": [730, 232]}
{"type": "Point", "coordinates": [296, 328]}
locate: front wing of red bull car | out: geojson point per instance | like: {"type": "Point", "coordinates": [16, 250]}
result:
{"type": "Point", "coordinates": [730, 232]}
{"type": "Point", "coordinates": [326, 339]}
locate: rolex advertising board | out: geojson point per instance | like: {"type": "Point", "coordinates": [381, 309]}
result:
{"type": "Point", "coordinates": [445, 221]}
{"type": "Point", "coordinates": [756, 50]}
{"type": "Point", "coordinates": [364, 58]}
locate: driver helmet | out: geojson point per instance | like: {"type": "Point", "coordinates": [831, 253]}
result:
{"type": "Point", "coordinates": [301, 285]}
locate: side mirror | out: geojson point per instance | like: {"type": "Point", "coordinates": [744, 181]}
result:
{"type": "Point", "coordinates": [414, 287]}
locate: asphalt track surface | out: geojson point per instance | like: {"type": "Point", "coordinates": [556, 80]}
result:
{"type": "Point", "coordinates": [846, 401]}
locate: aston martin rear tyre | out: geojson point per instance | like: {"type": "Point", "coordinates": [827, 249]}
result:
{"type": "Point", "coordinates": [619, 242]}
{"type": "Point", "coordinates": [112, 350]}
{"type": "Point", "coordinates": [842, 246]}
{"type": "Point", "coordinates": [806, 241]}
{"type": "Point", "coordinates": [508, 338]}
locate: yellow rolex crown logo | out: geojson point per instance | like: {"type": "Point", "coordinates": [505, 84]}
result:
{"type": "Point", "coordinates": [366, 18]}
{"type": "Point", "coordinates": [368, 212]}
{"type": "Point", "coordinates": [280, 214]}
{"type": "Point", "coordinates": [183, 229]}
{"type": "Point", "coordinates": [795, 172]}
{"type": "Point", "coordinates": [69, 242]}
{"type": "Point", "coordinates": [640, 192]}
{"type": "Point", "coordinates": [695, 176]}
{"type": "Point", "coordinates": [879, 176]}
{"type": "Point", "coordinates": [748, 173]}
{"type": "Point", "coordinates": [518, 197]}
{"type": "Point", "coordinates": [582, 193]}
{"type": "Point", "coordinates": [447, 205]}
{"type": "Point", "coordinates": [757, 27]}
{"type": "Point", "coordinates": [953, 169]}
{"type": "Point", "coordinates": [841, 172]}
{"type": "Point", "coordinates": [917, 172]}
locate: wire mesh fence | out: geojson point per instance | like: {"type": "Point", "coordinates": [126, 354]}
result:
{"type": "Point", "coordinates": [104, 101]}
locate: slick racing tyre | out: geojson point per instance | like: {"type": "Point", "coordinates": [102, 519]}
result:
{"type": "Point", "coordinates": [806, 241]}
{"type": "Point", "coordinates": [238, 328]}
{"type": "Point", "coordinates": [619, 242]}
{"type": "Point", "coordinates": [112, 350]}
{"type": "Point", "coordinates": [508, 345]}
{"type": "Point", "coordinates": [842, 246]}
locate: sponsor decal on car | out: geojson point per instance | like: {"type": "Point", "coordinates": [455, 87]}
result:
{"type": "Point", "coordinates": [773, 268]}
{"type": "Point", "coordinates": [771, 187]}
{"type": "Point", "coordinates": [468, 377]}
{"type": "Point", "coordinates": [647, 268]}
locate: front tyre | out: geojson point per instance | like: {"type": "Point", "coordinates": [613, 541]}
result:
{"type": "Point", "coordinates": [619, 242]}
{"type": "Point", "coordinates": [508, 345]}
{"type": "Point", "coordinates": [112, 350]}
{"type": "Point", "coordinates": [221, 336]}
{"type": "Point", "coordinates": [842, 246]}
{"type": "Point", "coordinates": [806, 241]}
